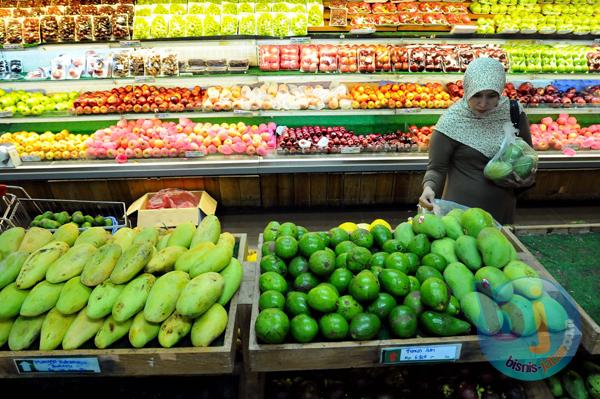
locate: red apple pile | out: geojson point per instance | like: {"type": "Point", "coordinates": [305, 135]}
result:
{"type": "Point", "coordinates": [138, 99]}
{"type": "Point", "coordinates": [564, 132]}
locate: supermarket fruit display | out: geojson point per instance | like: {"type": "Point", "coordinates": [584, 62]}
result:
{"type": "Point", "coordinates": [53, 220]}
{"type": "Point", "coordinates": [431, 381]}
{"type": "Point", "coordinates": [581, 379]}
{"type": "Point", "coordinates": [337, 139]}
{"type": "Point", "coordinates": [546, 59]}
{"type": "Point", "coordinates": [550, 95]}
{"type": "Point", "coordinates": [153, 138]}
{"type": "Point", "coordinates": [36, 102]}
{"type": "Point", "coordinates": [431, 276]}
{"type": "Point", "coordinates": [48, 146]}
{"type": "Point", "coordinates": [149, 287]}
{"type": "Point", "coordinates": [400, 95]}
{"type": "Point", "coordinates": [564, 132]}
{"type": "Point", "coordinates": [525, 17]}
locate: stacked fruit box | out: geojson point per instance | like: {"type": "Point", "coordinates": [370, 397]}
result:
{"type": "Point", "coordinates": [425, 283]}
{"type": "Point", "coordinates": [164, 298]}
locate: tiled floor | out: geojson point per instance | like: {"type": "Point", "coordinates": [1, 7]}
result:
{"type": "Point", "coordinates": [253, 223]}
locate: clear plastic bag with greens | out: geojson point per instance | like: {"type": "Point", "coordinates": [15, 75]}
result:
{"type": "Point", "coordinates": [515, 163]}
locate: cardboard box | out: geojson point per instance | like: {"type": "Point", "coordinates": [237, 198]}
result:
{"type": "Point", "coordinates": [171, 217]}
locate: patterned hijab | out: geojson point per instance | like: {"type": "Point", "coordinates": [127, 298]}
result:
{"type": "Point", "coordinates": [482, 132]}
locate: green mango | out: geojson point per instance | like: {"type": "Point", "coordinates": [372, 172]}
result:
{"type": "Point", "coordinates": [460, 279]}
{"type": "Point", "coordinates": [468, 253]}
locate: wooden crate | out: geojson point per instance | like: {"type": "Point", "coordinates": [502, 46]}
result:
{"type": "Point", "coordinates": [148, 361]}
{"type": "Point", "coordinates": [590, 329]}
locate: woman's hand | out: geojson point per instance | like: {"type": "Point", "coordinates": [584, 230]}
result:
{"type": "Point", "coordinates": [427, 197]}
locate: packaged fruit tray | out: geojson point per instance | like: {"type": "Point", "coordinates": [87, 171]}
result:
{"type": "Point", "coordinates": [590, 326]}
{"type": "Point", "coordinates": [121, 359]}
{"type": "Point", "coordinates": [288, 350]}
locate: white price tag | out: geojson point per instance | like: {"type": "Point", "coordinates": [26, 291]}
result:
{"type": "Point", "coordinates": [304, 144]}
{"type": "Point", "coordinates": [299, 40]}
{"type": "Point", "coordinates": [323, 142]}
{"type": "Point", "coordinates": [194, 154]}
{"type": "Point", "coordinates": [6, 114]}
{"type": "Point", "coordinates": [429, 353]}
{"type": "Point", "coordinates": [57, 365]}
{"type": "Point", "coordinates": [130, 43]}
{"type": "Point", "coordinates": [244, 112]}
{"type": "Point", "coordinates": [280, 130]}
{"type": "Point", "coordinates": [162, 115]}
{"type": "Point", "coordinates": [31, 158]}
{"type": "Point", "coordinates": [350, 150]}
{"type": "Point", "coordinates": [144, 79]}
{"type": "Point", "coordinates": [14, 46]}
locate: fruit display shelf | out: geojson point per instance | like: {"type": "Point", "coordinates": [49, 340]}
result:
{"type": "Point", "coordinates": [351, 354]}
{"type": "Point", "coordinates": [244, 165]}
{"type": "Point", "coordinates": [126, 361]}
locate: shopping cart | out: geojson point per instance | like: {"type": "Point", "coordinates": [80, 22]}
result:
{"type": "Point", "coordinates": [18, 209]}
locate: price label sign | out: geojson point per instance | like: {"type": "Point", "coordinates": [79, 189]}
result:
{"type": "Point", "coordinates": [144, 79]}
{"type": "Point", "coordinates": [6, 114]}
{"type": "Point", "coordinates": [194, 154]}
{"type": "Point", "coordinates": [31, 158]}
{"type": "Point", "coordinates": [415, 354]}
{"type": "Point", "coordinates": [244, 112]}
{"type": "Point", "coordinates": [57, 365]}
{"type": "Point", "coordinates": [130, 43]}
{"type": "Point", "coordinates": [350, 150]}
{"type": "Point", "coordinates": [162, 115]}
{"type": "Point", "coordinates": [280, 129]}
{"type": "Point", "coordinates": [14, 46]}
{"type": "Point", "coordinates": [299, 40]}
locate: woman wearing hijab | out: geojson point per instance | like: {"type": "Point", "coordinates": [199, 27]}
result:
{"type": "Point", "coordinates": [466, 137]}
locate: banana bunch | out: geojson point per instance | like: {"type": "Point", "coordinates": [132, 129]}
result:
{"type": "Point", "coordinates": [64, 289]}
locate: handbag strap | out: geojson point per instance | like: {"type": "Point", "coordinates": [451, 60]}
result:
{"type": "Point", "coordinates": [515, 115]}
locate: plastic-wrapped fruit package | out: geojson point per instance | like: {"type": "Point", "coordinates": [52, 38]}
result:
{"type": "Point", "coordinates": [348, 60]}
{"type": "Point", "coordinates": [195, 8]}
{"type": "Point", "coordinates": [299, 25]}
{"type": "Point", "coordinates": [193, 25]}
{"type": "Point", "coordinates": [66, 28]}
{"type": "Point", "coordinates": [120, 64]}
{"type": "Point", "coordinates": [58, 67]}
{"type": "Point", "coordinates": [408, 7]}
{"type": "Point", "coordinates": [49, 28]}
{"type": "Point", "coordinates": [268, 57]}
{"type": "Point", "coordinates": [338, 17]}
{"type": "Point", "coordinates": [120, 27]}
{"type": "Point", "coordinates": [387, 19]}
{"type": "Point", "coordinates": [31, 30]}
{"type": "Point", "coordinates": [106, 10]}
{"type": "Point", "coordinates": [359, 8]}
{"type": "Point", "coordinates": [212, 25]}
{"type": "Point", "coordinates": [247, 24]}
{"type": "Point", "coordinates": [143, 10]}
{"type": "Point", "coordinates": [2, 33]}
{"type": "Point", "coordinates": [178, 9]}
{"type": "Point", "coordinates": [383, 8]}
{"type": "Point", "coordinates": [264, 24]}
{"type": "Point", "coordinates": [280, 7]}
{"type": "Point", "coordinates": [315, 14]}
{"type": "Point", "coordinates": [213, 9]}
{"type": "Point", "coordinates": [229, 25]}
{"type": "Point", "coordinates": [6, 12]}
{"type": "Point", "coordinates": [153, 63]}
{"type": "Point", "coordinates": [262, 7]}
{"type": "Point", "coordinates": [229, 8]}
{"type": "Point", "coordinates": [76, 67]}
{"type": "Point", "coordinates": [450, 61]}
{"type": "Point", "coordinates": [177, 26]}
{"type": "Point", "coordinates": [159, 27]}
{"type": "Point", "coordinates": [434, 19]}
{"type": "Point", "coordinates": [141, 27]}
{"type": "Point", "coordinates": [281, 25]}
{"type": "Point", "coordinates": [417, 58]}
{"type": "Point", "coordinates": [126, 9]}
{"type": "Point", "coordinates": [84, 28]}
{"type": "Point", "coordinates": [309, 58]}
{"type": "Point", "coordinates": [366, 59]}
{"type": "Point", "coordinates": [328, 58]}
{"type": "Point", "coordinates": [435, 59]}
{"type": "Point", "coordinates": [137, 62]}
{"type": "Point", "coordinates": [399, 58]}
{"type": "Point", "coordinates": [169, 63]}
{"type": "Point", "coordinates": [289, 57]}
{"type": "Point", "coordinates": [102, 28]}
{"type": "Point", "coordinates": [14, 31]}
{"type": "Point", "coordinates": [383, 59]}
{"type": "Point", "coordinates": [98, 64]}
{"type": "Point", "coordinates": [160, 9]}
{"type": "Point", "coordinates": [88, 9]}
{"type": "Point", "coordinates": [245, 7]}
{"type": "Point", "coordinates": [410, 18]}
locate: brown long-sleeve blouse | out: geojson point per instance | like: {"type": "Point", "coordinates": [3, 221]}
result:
{"type": "Point", "coordinates": [455, 173]}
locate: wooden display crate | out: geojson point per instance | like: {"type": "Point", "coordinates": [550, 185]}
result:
{"type": "Point", "coordinates": [590, 329]}
{"type": "Point", "coordinates": [345, 354]}
{"type": "Point", "coordinates": [218, 359]}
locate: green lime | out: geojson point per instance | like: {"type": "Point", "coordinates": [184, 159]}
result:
{"type": "Point", "coordinates": [323, 298]}
{"type": "Point", "coordinates": [297, 266]}
{"type": "Point", "coordinates": [341, 261]}
{"type": "Point", "coordinates": [271, 263]}
{"type": "Point", "coordinates": [286, 247]}
{"type": "Point", "coordinates": [391, 246]}
{"type": "Point", "coordinates": [301, 232]}
{"type": "Point", "coordinates": [378, 259]}
{"type": "Point", "coordinates": [343, 247]}
{"type": "Point", "coordinates": [272, 281]}
{"type": "Point", "coordinates": [288, 229]}
{"type": "Point", "coordinates": [304, 328]}
{"type": "Point", "coordinates": [311, 243]}
{"type": "Point", "coordinates": [271, 299]}
{"type": "Point", "coordinates": [325, 237]}
{"type": "Point", "coordinates": [305, 282]}
{"type": "Point", "coordinates": [297, 303]}
{"type": "Point", "coordinates": [380, 234]}
{"type": "Point", "coordinates": [338, 235]}
{"type": "Point", "coordinates": [340, 279]}
{"type": "Point", "coordinates": [362, 238]}
{"type": "Point", "coordinates": [272, 326]}
{"type": "Point", "coordinates": [271, 232]}
{"type": "Point", "coordinates": [414, 283]}
{"type": "Point", "coordinates": [268, 248]}
{"type": "Point", "coordinates": [398, 261]}
{"type": "Point", "coordinates": [322, 263]}
{"type": "Point", "coordinates": [333, 326]}
{"type": "Point", "coordinates": [358, 259]}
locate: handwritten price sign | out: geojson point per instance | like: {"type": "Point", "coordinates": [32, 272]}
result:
{"type": "Point", "coordinates": [412, 354]}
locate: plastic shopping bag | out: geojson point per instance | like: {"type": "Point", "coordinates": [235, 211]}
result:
{"type": "Point", "coordinates": [514, 163]}
{"type": "Point", "coordinates": [172, 198]}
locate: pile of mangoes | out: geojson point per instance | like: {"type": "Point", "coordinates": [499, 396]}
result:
{"type": "Point", "coordinates": [50, 220]}
{"type": "Point", "coordinates": [147, 286]}
{"type": "Point", "coordinates": [430, 276]}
